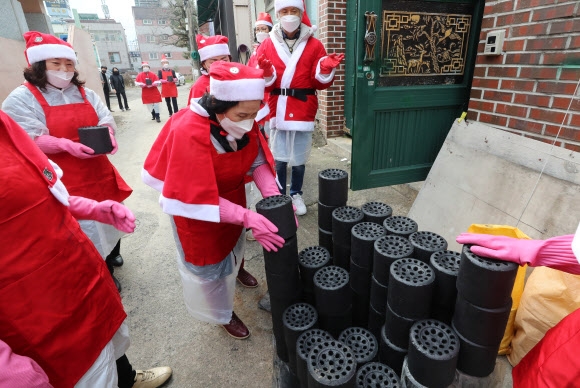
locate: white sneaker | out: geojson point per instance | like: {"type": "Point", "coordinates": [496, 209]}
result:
{"type": "Point", "coordinates": [152, 378]}
{"type": "Point", "coordinates": [299, 203]}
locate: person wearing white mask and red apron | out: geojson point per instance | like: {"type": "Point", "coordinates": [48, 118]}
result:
{"type": "Point", "coordinates": [198, 164]}
{"type": "Point", "coordinates": [59, 308]}
{"type": "Point", "coordinates": [150, 95]}
{"type": "Point", "coordinates": [50, 106]}
{"type": "Point", "coordinates": [168, 88]}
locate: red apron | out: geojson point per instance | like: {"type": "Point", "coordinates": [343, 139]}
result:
{"type": "Point", "coordinates": [149, 95]}
{"type": "Point", "coordinates": [94, 178]}
{"type": "Point", "coordinates": [168, 89]}
{"type": "Point", "coordinates": [204, 242]}
{"type": "Point", "coordinates": [58, 303]}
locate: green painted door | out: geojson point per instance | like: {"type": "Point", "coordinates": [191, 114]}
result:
{"type": "Point", "coordinates": [404, 92]}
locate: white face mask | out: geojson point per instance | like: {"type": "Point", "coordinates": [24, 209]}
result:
{"type": "Point", "coordinates": [261, 36]}
{"type": "Point", "coordinates": [145, 69]}
{"type": "Point", "coordinates": [166, 65]}
{"type": "Point", "coordinates": [290, 23]}
{"type": "Point", "coordinates": [59, 79]}
{"type": "Point", "coordinates": [236, 129]}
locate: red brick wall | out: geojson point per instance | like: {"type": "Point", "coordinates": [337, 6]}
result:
{"type": "Point", "coordinates": [332, 34]}
{"type": "Point", "coordinates": [527, 89]}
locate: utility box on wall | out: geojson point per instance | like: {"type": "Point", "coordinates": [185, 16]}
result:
{"type": "Point", "coordinates": [494, 42]}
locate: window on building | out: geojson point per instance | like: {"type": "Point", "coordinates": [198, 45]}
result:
{"type": "Point", "coordinates": [161, 21]}
{"type": "Point", "coordinates": [164, 37]}
{"type": "Point", "coordinates": [96, 38]}
{"type": "Point", "coordinates": [150, 38]}
{"type": "Point", "coordinates": [167, 55]}
{"type": "Point", "coordinates": [147, 21]}
{"type": "Point", "coordinates": [134, 59]}
{"type": "Point", "coordinates": [115, 57]}
{"type": "Point", "coordinates": [153, 55]}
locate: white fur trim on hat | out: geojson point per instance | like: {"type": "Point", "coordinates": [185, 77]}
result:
{"type": "Point", "coordinates": [48, 51]}
{"type": "Point", "coordinates": [214, 50]}
{"type": "Point", "coordinates": [263, 23]}
{"type": "Point", "coordinates": [281, 4]}
{"type": "Point", "coordinates": [245, 89]}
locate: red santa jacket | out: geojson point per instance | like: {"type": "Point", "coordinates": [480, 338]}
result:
{"type": "Point", "coordinates": [199, 88]}
{"type": "Point", "coordinates": [300, 70]}
{"type": "Point", "coordinates": [149, 95]}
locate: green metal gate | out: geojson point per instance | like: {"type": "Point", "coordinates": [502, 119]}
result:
{"type": "Point", "coordinates": [407, 83]}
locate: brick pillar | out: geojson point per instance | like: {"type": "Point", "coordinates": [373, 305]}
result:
{"type": "Point", "coordinates": [332, 34]}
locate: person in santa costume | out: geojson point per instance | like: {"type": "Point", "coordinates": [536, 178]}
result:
{"type": "Point", "coordinates": [211, 49]}
{"type": "Point", "coordinates": [552, 362]}
{"type": "Point", "coordinates": [302, 67]}
{"type": "Point", "coordinates": [198, 164]}
{"type": "Point", "coordinates": [168, 85]}
{"type": "Point", "coordinates": [51, 105]}
{"type": "Point", "coordinates": [150, 95]}
{"type": "Point", "coordinates": [61, 318]}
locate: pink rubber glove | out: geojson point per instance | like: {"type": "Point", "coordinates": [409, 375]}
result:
{"type": "Point", "coordinates": [53, 145]}
{"type": "Point", "coordinates": [163, 81]}
{"type": "Point", "coordinates": [555, 252]}
{"type": "Point", "coordinates": [20, 371]}
{"type": "Point", "coordinates": [330, 62]}
{"type": "Point", "coordinates": [263, 230]}
{"type": "Point", "coordinates": [107, 212]}
{"type": "Point", "coordinates": [266, 65]}
{"type": "Point", "coordinates": [113, 140]}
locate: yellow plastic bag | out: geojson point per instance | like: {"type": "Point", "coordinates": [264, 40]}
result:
{"type": "Point", "coordinates": [509, 231]}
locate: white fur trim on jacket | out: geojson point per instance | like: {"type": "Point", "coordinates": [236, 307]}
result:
{"type": "Point", "coordinates": [262, 113]}
{"type": "Point", "coordinates": [324, 78]}
{"type": "Point", "coordinates": [58, 189]}
{"type": "Point", "coordinates": [47, 51]}
{"type": "Point", "coordinates": [196, 108]}
{"type": "Point", "coordinates": [214, 50]}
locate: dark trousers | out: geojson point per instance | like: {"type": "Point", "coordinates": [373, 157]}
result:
{"type": "Point", "coordinates": [168, 101]}
{"type": "Point", "coordinates": [125, 372]}
{"type": "Point", "coordinates": [114, 253]}
{"type": "Point", "coordinates": [296, 180]}
{"type": "Point", "coordinates": [107, 101]}
{"type": "Point", "coordinates": [119, 94]}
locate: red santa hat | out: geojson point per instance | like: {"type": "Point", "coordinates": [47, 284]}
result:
{"type": "Point", "coordinates": [281, 4]}
{"type": "Point", "coordinates": [40, 47]}
{"type": "Point", "coordinates": [212, 46]}
{"type": "Point", "coordinates": [164, 58]}
{"type": "Point", "coordinates": [232, 81]}
{"type": "Point", "coordinates": [264, 19]}
{"type": "Point", "coordinates": [143, 64]}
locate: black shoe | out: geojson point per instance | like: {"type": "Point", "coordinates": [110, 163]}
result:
{"type": "Point", "coordinates": [157, 118]}
{"type": "Point", "coordinates": [116, 261]}
{"type": "Point", "coordinates": [128, 109]}
{"type": "Point", "coordinates": [117, 284]}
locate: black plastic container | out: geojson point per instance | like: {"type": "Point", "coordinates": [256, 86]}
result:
{"type": "Point", "coordinates": [425, 244]}
{"type": "Point", "coordinates": [475, 360]}
{"type": "Point", "coordinates": [411, 286]}
{"type": "Point", "coordinates": [390, 354]}
{"type": "Point", "coordinates": [379, 294]}
{"type": "Point", "coordinates": [341, 254]}
{"type": "Point", "coordinates": [169, 78]}
{"type": "Point", "coordinates": [360, 308]}
{"type": "Point", "coordinates": [376, 375]}
{"type": "Point", "coordinates": [480, 325]}
{"type": "Point", "coordinates": [360, 279]}
{"type": "Point", "coordinates": [376, 212]}
{"type": "Point", "coordinates": [97, 138]}
{"type": "Point", "coordinates": [310, 260]}
{"type": "Point", "coordinates": [278, 210]}
{"type": "Point", "coordinates": [325, 240]}
{"type": "Point", "coordinates": [376, 321]}
{"type": "Point", "coordinates": [325, 215]}
{"type": "Point", "coordinates": [386, 250]}
{"type": "Point", "coordinates": [400, 226]}
{"type": "Point", "coordinates": [280, 286]}
{"type": "Point", "coordinates": [362, 342]}
{"type": "Point", "coordinates": [397, 328]}
{"type": "Point", "coordinates": [304, 344]}
{"type": "Point", "coordinates": [331, 364]}
{"type": "Point", "coordinates": [485, 282]}
{"type": "Point", "coordinates": [296, 319]}
{"type": "Point", "coordinates": [331, 290]}
{"type": "Point", "coordinates": [343, 220]}
{"type": "Point", "coordinates": [333, 187]}
{"type": "Point", "coordinates": [284, 260]}
{"type": "Point", "coordinates": [363, 237]}
{"type": "Point", "coordinates": [433, 353]}
{"type": "Point", "coordinates": [148, 81]}
{"type": "Point", "coordinates": [446, 267]}
{"type": "Point", "coordinates": [336, 323]}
